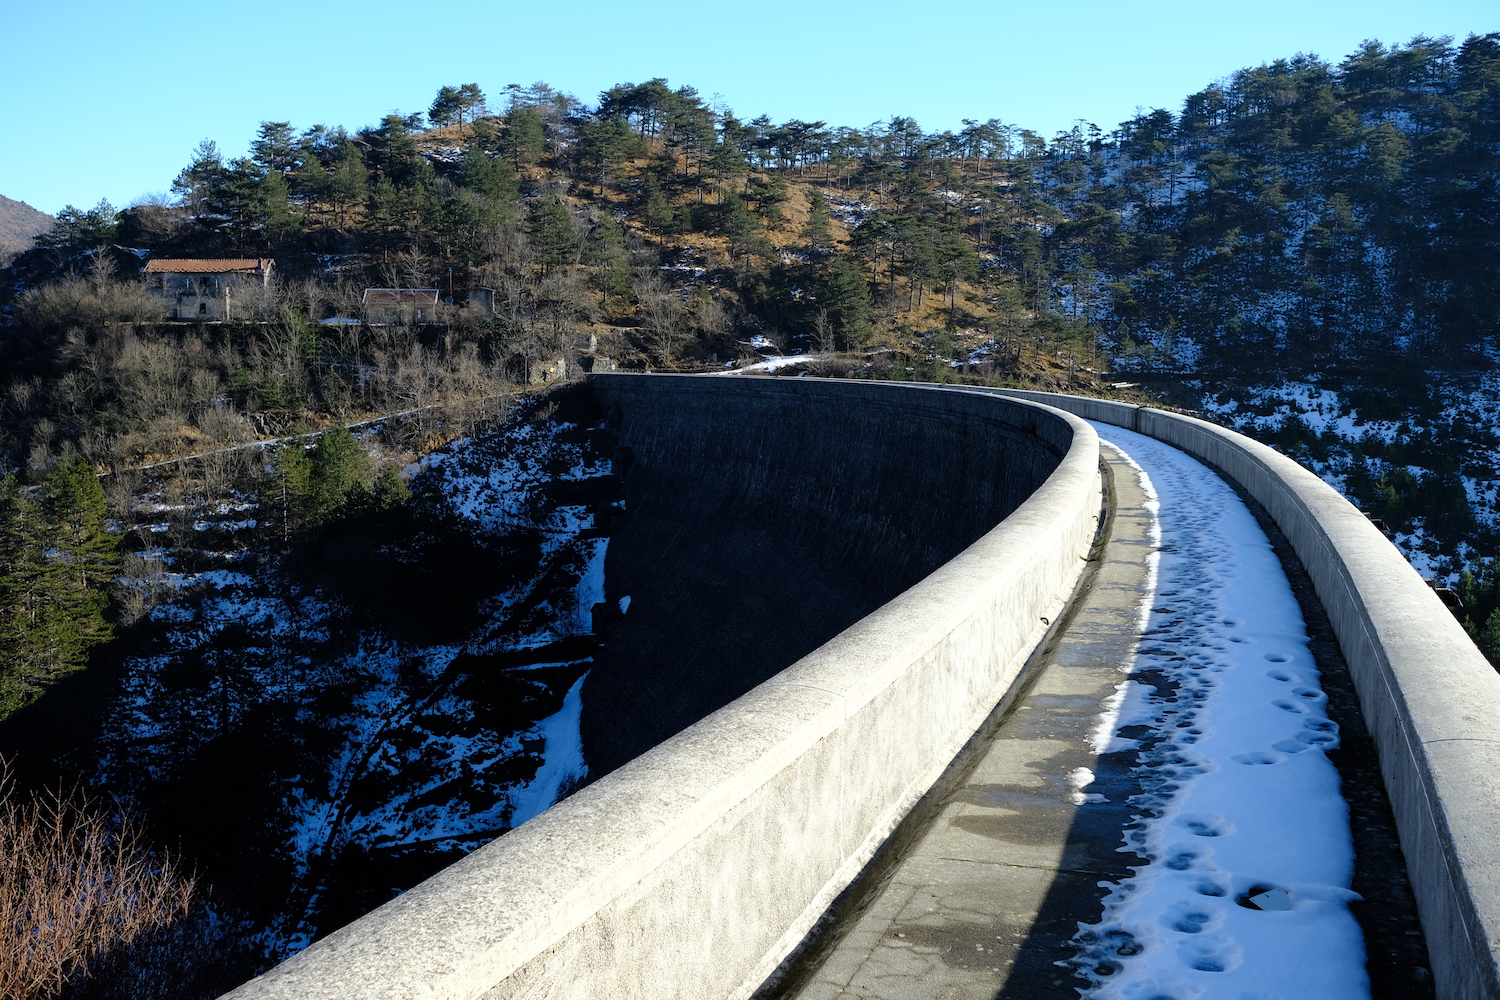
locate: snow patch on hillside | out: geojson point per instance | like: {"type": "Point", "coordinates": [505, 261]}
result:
{"type": "Point", "coordinates": [399, 744]}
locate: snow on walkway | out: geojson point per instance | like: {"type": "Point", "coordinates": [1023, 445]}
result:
{"type": "Point", "coordinates": [1240, 815]}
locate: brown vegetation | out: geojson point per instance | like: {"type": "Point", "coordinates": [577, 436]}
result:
{"type": "Point", "coordinates": [76, 881]}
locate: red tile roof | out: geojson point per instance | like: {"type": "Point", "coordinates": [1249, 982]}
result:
{"type": "Point", "coordinates": [228, 265]}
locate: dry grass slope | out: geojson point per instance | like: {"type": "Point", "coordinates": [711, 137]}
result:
{"type": "Point", "coordinates": [19, 223]}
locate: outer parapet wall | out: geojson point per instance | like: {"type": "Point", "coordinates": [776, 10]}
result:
{"type": "Point", "coordinates": [694, 869]}
{"type": "Point", "coordinates": [1430, 698]}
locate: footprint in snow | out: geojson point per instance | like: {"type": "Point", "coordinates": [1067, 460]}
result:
{"type": "Point", "coordinates": [1205, 824]}
{"type": "Point", "coordinates": [1259, 757]}
{"type": "Point", "coordinates": [1181, 857]}
{"type": "Point", "coordinates": [1192, 918]}
{"type": "Point", "coordinates": [1209, 953]}
{"type": "Point", "coordinates": [1320, 733]}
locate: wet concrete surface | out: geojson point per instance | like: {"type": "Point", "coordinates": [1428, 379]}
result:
{"type": "Point", "coordinates": [986, 901]}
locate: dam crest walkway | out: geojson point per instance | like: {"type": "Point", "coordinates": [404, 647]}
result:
{"type": "Point", "coordinates": [1162, 771]}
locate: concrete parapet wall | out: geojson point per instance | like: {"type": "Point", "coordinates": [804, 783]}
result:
{"type": "Point", "coordinates": [694, 869]}
{"type": "Point", "coordinates": [1431, 700]}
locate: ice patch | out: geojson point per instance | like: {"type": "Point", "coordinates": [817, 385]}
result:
{"type": "Point", "coordinates": [1130, 705]}
{"type": "Point", "coordinates": [564, 766]}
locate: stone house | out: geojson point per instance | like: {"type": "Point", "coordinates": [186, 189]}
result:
{"type": "Point", "coordinates": [214, 289]}
{"type": "Point", "coordinates": [384, 306]}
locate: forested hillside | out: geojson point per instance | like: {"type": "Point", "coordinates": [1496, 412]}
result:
{"type": "Point", "coordinates": [1299, 213]}
{"type": "Point", "coordinates": [1310, 252]}
{"type": "Point", "coordinates": [1306, 250]}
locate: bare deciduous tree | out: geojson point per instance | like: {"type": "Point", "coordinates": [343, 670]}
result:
{"type": "Point", "coordinates": [668, 320]}
{"type": "Point", "coordinates": [76, 881]}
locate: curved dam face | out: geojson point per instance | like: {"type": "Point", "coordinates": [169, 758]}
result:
{"type": "Point", "coordinates": [767, 532]}
{"type": "Point", "coordinates": [832, 586]}
{"type": "Point", "coordinates": [761, 517]}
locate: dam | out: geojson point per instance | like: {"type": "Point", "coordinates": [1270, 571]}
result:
{"type": "Point", "coordinates": [832, 588]}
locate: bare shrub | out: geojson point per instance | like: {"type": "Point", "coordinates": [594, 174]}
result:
{"type": "Point", "coordinates": [143, 583]}
{"type": "Point", "coordinates": [90, 301]}
{"type": "Point", "coordinates": [667, 318]}
{"type": "Point", "coordinates": [76, 881]}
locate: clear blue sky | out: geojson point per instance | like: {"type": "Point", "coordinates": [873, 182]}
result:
{"type": "Point", "coordinates": [108, 99]}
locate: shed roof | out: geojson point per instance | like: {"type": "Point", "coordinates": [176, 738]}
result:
{"type": "Point", "coordinates": [226, 265]}
{"type": "Point", "coordinates": [400, 296]}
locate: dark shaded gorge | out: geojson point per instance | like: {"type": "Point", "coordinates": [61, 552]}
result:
{"type": "Point", "coordinates": [763, 516]}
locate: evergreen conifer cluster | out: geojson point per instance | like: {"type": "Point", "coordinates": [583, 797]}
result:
{"type": "Point", "coordinates": [57, 559]}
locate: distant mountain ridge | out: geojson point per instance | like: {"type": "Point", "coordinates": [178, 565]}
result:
{"type": "Point", "coordinates": [19, 223]}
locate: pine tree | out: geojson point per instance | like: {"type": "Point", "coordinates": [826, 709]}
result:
{"type": "Point", "coordinates": [659, 213]}
{"type": "Point", "coordinates": [817, 237]}
{"type": "Point", "coordinates": [743, 229]}
{"type": "Point", "coordinates": [454, 104]}
{"type": "Point", "coordinates": [201, 183]}
{"type": "Point", "coordinates": [493, 178]}
{"type": "Point", "coordinates": [274, 148]}
{"type": "Point", "coordinates": [20, 561]}
{"type": "Point", "coordinates": [524, 137]}
{"type": "Point", "coordinates": [56, 558]}
{"type": "Point", "coordinates": [607, 252]}
{"type": "Point", "coordinates": [340, 469]}
{"type": "Point", "coordinates": [270, 212]}
{"type": "Point", "coordinates": [286, 493]}
{"type": "Point", "coordinates": [769, 196]}
{"type": "Point", "coordinates": [846, 297]}
{"type": "Point", "coordinates": [390, 489]}
{"type": "Point", "coordinates": [549, 224]}
{"type": "Point", "coordinates": [77, 229]}
{"type": "Point", "coordinates": [85, 555]}
{"type": "Point", "coordinates": [310, 488]}
{"type": "Point", "coordinates": [349, 185]}
{"type": "Point", "coordinates": [608, 144]}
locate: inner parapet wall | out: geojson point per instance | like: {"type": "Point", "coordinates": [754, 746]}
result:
{"type": "Point", "coordinates": [694, 869]}
{"type": "Point", "coordinates": [1429, 697]}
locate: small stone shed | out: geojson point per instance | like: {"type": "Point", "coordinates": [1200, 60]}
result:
{"type": "Point", "coordinates": [384, 306]}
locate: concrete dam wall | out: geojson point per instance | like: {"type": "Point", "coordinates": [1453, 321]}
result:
{"type": "Point", "coordinates": [762, 517]}
{"type": "Point", "coordinates": [843, 653]}
{"type": "Point", "coordinates": [857, 573]}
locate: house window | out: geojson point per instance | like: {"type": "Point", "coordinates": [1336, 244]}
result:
{"type": "Point", "coordinates": [160, 282]}
{"type": "Point", "coordinates": [202, 308]}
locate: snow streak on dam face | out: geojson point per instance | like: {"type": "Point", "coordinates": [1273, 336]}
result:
{"type": "Point", "coordinates": [761, 518]}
